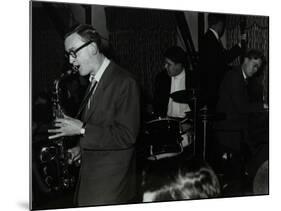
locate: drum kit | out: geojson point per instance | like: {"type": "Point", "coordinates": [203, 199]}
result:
{"type": "Point", "coordinates": [169, 137]}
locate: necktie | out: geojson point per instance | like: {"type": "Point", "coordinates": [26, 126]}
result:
{"type": "Point", "coordinates": [91, 78]}
{"type": "Point", "coordinates": [92, 88]}
{"type": "Point", "coordinates": [85, 105]}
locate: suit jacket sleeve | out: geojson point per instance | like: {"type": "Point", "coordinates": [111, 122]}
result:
{"type": "Point", "coordinates": [237, 89]}
{"type": "Point", "coordinates": [238, 92]}
{"type": "Point", "coordinates": [119, 131]}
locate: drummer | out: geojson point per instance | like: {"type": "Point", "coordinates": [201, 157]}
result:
{"type": "Point", "coordinates": [172, 79]}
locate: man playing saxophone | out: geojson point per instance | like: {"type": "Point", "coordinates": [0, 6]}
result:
{"type": "Point", "coordinates": [107, 124]}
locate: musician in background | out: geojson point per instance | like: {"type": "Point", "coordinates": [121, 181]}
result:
{"type": "Point", "coordinates": [107, 124]}
{"type": "Point", "coordinates": [232, 132]}
{"type": "Point", "coordinates": [214, 59]}
{"type": "Point", "coordinates": [172, 79]}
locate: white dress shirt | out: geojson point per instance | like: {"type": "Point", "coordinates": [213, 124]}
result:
{"type": "Point", "coordinates": [177, 109]}
{"type": "Point", "coordinates": [96, 78]}
{"type": "Point", "coordinates": [102, 68]}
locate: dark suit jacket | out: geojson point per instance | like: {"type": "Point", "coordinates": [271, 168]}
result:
{"type": "Point", "coordinates": [234, 103]}
{"type": "Point", "coordinates": [107, 173]}
{"type": "Point", "coordinates": [213, 63]}
{"type": "Point", "coordinates": [162, 92]}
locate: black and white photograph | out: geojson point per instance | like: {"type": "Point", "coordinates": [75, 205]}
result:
{"type": "Point", "coordinates": [133, 105]}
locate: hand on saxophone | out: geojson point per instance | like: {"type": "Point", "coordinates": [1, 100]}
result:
{"type": "Point", "coordinates": [75, 155]}
{"type": "Point", "coordinates": [66, 126]}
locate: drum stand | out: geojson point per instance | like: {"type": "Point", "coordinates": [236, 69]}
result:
{"type": "Point", "coordinates": [204, 119]}
{"type": "Point", "coordinates": [194, 124]}
{"type": "Point", "coordinates": [193, 100]}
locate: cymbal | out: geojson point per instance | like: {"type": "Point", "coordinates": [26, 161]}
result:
{"type": "Point", "coordinates": [183, 96]}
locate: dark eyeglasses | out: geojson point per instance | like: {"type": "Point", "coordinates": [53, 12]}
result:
{"type": "Point", "coordinates": [73, 53]}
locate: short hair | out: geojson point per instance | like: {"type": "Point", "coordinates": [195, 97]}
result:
{"type": "Point", "coordinates": [254, 54]}
{"type": "Point", "coordinates": [87, 33]}
{"type": "Point", "coordinates": [214, 18]}
{"type": "Point", "coordinates": [185, 180]}
{"type": "Point", "coordinates": [176, 54]}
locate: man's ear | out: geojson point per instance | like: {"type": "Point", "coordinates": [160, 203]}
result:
{"type": "Point", "coordinates": [94, 48]}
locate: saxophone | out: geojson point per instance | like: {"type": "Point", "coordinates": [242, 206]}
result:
{"type": "Point", "coordinates": [57, 172]}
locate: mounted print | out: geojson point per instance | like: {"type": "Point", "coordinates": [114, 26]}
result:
{"type": "Point", "coordinates": [136, 105]}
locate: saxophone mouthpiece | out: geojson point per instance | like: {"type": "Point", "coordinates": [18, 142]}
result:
{"type": "Point", "coordinates": [75, 69]}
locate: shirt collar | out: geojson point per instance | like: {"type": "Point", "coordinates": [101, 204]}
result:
{"type": "Point", "coordinates": [215, 33]}
{"type": "Point", "coordinates": [244, 75]}
{"type": "Point", "coordinates": [102, 68]}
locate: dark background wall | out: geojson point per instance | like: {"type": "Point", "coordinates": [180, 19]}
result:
{"type": "Point", "coordinates": [137, 37]}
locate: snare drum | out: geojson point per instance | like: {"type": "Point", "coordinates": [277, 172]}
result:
{"type": "Point", "coordinates": [163, 139]}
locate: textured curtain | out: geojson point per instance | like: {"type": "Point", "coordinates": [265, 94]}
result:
{"type": "Point", "coordinates": [138, 38]}
{"type": "Point", "coordinates": [257, 30]}
{"type": "Point", "coordinates": [49, 23]}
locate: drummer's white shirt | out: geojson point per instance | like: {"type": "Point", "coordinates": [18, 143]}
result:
{"type": "Point", "coordinates": [177, 109]}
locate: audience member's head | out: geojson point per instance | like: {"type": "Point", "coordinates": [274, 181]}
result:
{"type": "Point", "coordinates": [170, 179]}
{"type": "Point", "coordinates": [261, 180]}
